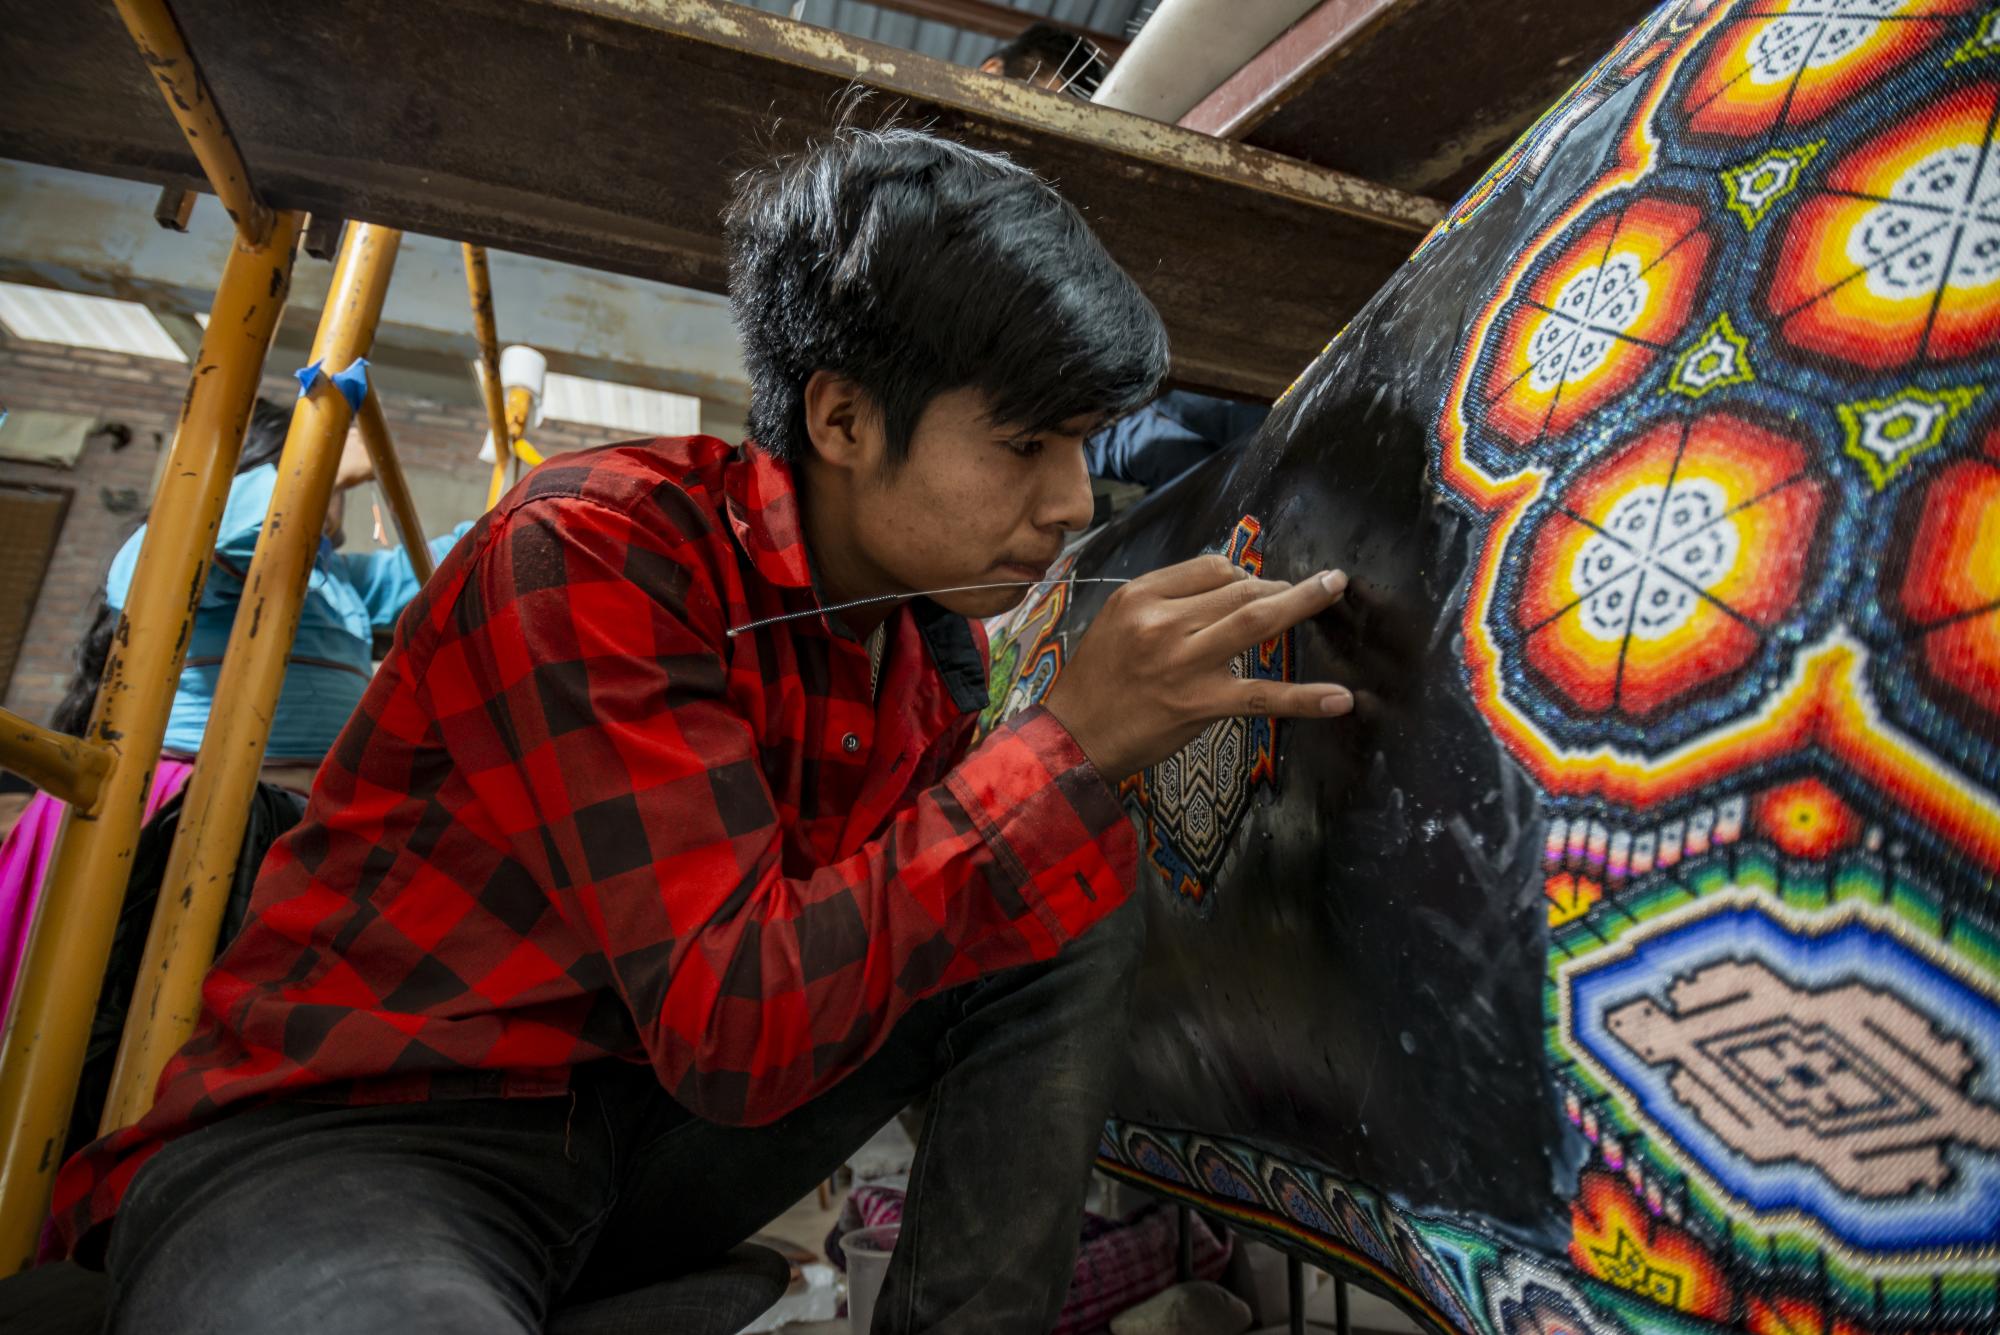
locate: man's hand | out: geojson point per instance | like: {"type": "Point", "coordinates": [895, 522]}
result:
{"type": "Point", "coordinates": [355, 466]}
{"type": "Point", "coordinates": [1153, 668]}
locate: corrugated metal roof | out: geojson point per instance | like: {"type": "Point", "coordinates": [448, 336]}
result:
{"type": "Point", "coordinates": [958, 45]}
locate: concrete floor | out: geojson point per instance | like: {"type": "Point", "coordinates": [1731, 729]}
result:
{"type": "Point", "coordinates": [800, 1234]}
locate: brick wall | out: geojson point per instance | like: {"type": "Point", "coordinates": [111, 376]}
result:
{"type": "Point", "coordinates": [436, 441]}
{"type": "Point", "coordinates": [141, 392]}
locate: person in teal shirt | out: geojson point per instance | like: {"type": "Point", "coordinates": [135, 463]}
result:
{"type": "Point", "coordinates": [349, 596]}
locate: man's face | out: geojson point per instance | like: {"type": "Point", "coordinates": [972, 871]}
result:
{"type": "Point", "coordinates": [975, 502]}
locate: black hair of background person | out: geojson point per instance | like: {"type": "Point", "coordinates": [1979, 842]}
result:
{"type": "Point", "coordinates": [1043, 49]}
{"type": "Point", "coordinates": [263, 442]}
{"type": "Point", "coordinates": [916, 266]}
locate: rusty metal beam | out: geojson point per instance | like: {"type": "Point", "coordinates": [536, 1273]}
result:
{"type": "Point", "coordinates": [1001, 21]}
{"type": "Point", "coordinates": [153, 30]}
{"type": "Point", "coordinates": [1284, 69]}
{"type": "Point", "coordinates": [1417, 94]}
{"type": "Point", "coordinates": [67, 768]}
{"type": "Point", "coordinates": [486, 332]}
{"type": "Point", "coordinates": [194, 889]}
{"type": "Point", "coordinates": [620, 152]}
{"type": "Point", "coordinates": [79, 233]}
{"type": "Point", "coordinates": [394, 486]}
{"type": "Point", "coordinates": [56, 993]}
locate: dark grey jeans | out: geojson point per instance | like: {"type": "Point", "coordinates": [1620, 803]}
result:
{"type": "Point", "coordinates": [478, 1216]}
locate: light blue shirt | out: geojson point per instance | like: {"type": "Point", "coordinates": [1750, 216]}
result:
{"type": "Point", "coordinates": [348, 598]}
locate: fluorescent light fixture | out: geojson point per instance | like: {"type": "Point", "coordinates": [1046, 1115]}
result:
{"type": "Point", "coordinates": [48, 316]}
{"type": "Point", "coordinates": [643, 412]}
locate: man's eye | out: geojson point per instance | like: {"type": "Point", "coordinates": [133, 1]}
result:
{"type": "Point", "coordinates": [1027, 449]}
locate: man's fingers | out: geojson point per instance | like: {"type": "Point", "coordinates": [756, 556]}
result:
{"type": "Point", "coordinates": [1206, 609]}
{"type": "Point", "coordinates": [1277, 699]}
{"type": "Point", "coordinates": [1185, 579]}
{"type": "Point", "coordinates": [1267, 618]}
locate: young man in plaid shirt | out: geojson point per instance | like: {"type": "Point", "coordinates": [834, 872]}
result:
{"type": "Point", "coordinates": [608, 933]}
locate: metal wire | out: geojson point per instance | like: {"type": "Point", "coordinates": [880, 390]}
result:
{"type": "Point", "coordinates": [1082, 81]}
{"type": "Point", "coordinates": [1079, 72]}
{"type": "Point", "coordinates": [920, 593]}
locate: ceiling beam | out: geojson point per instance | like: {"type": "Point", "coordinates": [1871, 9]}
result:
{"type": "Point", "coordinates": [1418, 94]}
{"type": "Point", "coordinates": [608, 133]}
{"type": "Point", "coordinates": [1288, 66]}
{"type": "Point", "coordinates": [90, 234]}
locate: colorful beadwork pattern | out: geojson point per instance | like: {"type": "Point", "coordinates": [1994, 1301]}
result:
{"type": "Point", "coordinates": [1027, 646]}
{"type": "Point", "coordinates": [1727, 430]}
{"type": "Point", "coordinates": [1191, 804]}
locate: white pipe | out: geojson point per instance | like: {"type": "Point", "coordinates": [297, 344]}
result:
{"type": "Point", "coordinates": [1187, 50]}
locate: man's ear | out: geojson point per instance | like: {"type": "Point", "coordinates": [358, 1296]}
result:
{"type": "Point", "coordinates": [837, 420]}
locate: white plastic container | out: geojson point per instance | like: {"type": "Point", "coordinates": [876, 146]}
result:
{"type": "Point", "coordinates": [523, 367]}
{"type": "Point", "coordinates": [867, 1252]}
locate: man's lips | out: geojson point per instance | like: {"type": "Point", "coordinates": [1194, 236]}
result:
{"type": "Point", "coordinates": [1023, 570]}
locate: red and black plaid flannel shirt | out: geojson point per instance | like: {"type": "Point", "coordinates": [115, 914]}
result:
{"type": "Point", "coordinates": [573, 820]}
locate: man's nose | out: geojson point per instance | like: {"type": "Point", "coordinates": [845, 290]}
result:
{"type": "Point", "coordinates": [1069, 503]}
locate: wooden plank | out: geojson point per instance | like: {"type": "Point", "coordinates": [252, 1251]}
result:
{"type": "Point", "coordinates": [607, 132]}
{"type": "Point", "coordinates": [1418, 94]}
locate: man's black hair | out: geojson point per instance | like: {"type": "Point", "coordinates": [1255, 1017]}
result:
{"type": "Point", "coordinates": [1043, 48]}
{"type": "Point", "coordinates": [914, 265]}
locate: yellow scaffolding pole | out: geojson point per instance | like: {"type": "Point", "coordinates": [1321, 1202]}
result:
{"type": "Point", "coordinates": [195, 890]}
{"type": "Point", "coordinates": [166, 52]}
{"type": "Point", "coordinates": [496, 485]}
{"type": "Point", "coordinates": [68, 769]}
{"type": "Point", "coordinates": [395, 487]}
{"type": "Point", "coordinates": [520, 405]}
{"type": "Point", "coordinates": [85, 889]}
{"type": "Point", "coordinates": [479, 286]}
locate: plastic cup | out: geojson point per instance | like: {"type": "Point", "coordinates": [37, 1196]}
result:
{"type": "Point", "coordinates": [867, 1251]}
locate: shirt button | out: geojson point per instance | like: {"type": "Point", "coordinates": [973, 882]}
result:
{"type": "Point", "coordinates": [850, 743]}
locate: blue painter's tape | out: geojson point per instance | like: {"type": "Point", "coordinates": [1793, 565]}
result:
{"type": "Point", "coordinates": [353, 383]}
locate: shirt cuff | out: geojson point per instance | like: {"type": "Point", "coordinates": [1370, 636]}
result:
{"type": "Point", "coordinates": [1064, 854]}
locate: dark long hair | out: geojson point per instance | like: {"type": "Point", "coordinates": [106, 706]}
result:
{"type": "Point", "coordinates": [262, 444]}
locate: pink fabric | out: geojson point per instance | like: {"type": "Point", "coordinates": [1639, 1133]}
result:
{"type": "Point", "coordinates": [24, 862]}
{"type": "Point", "coordinates": [1119, 1265]}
